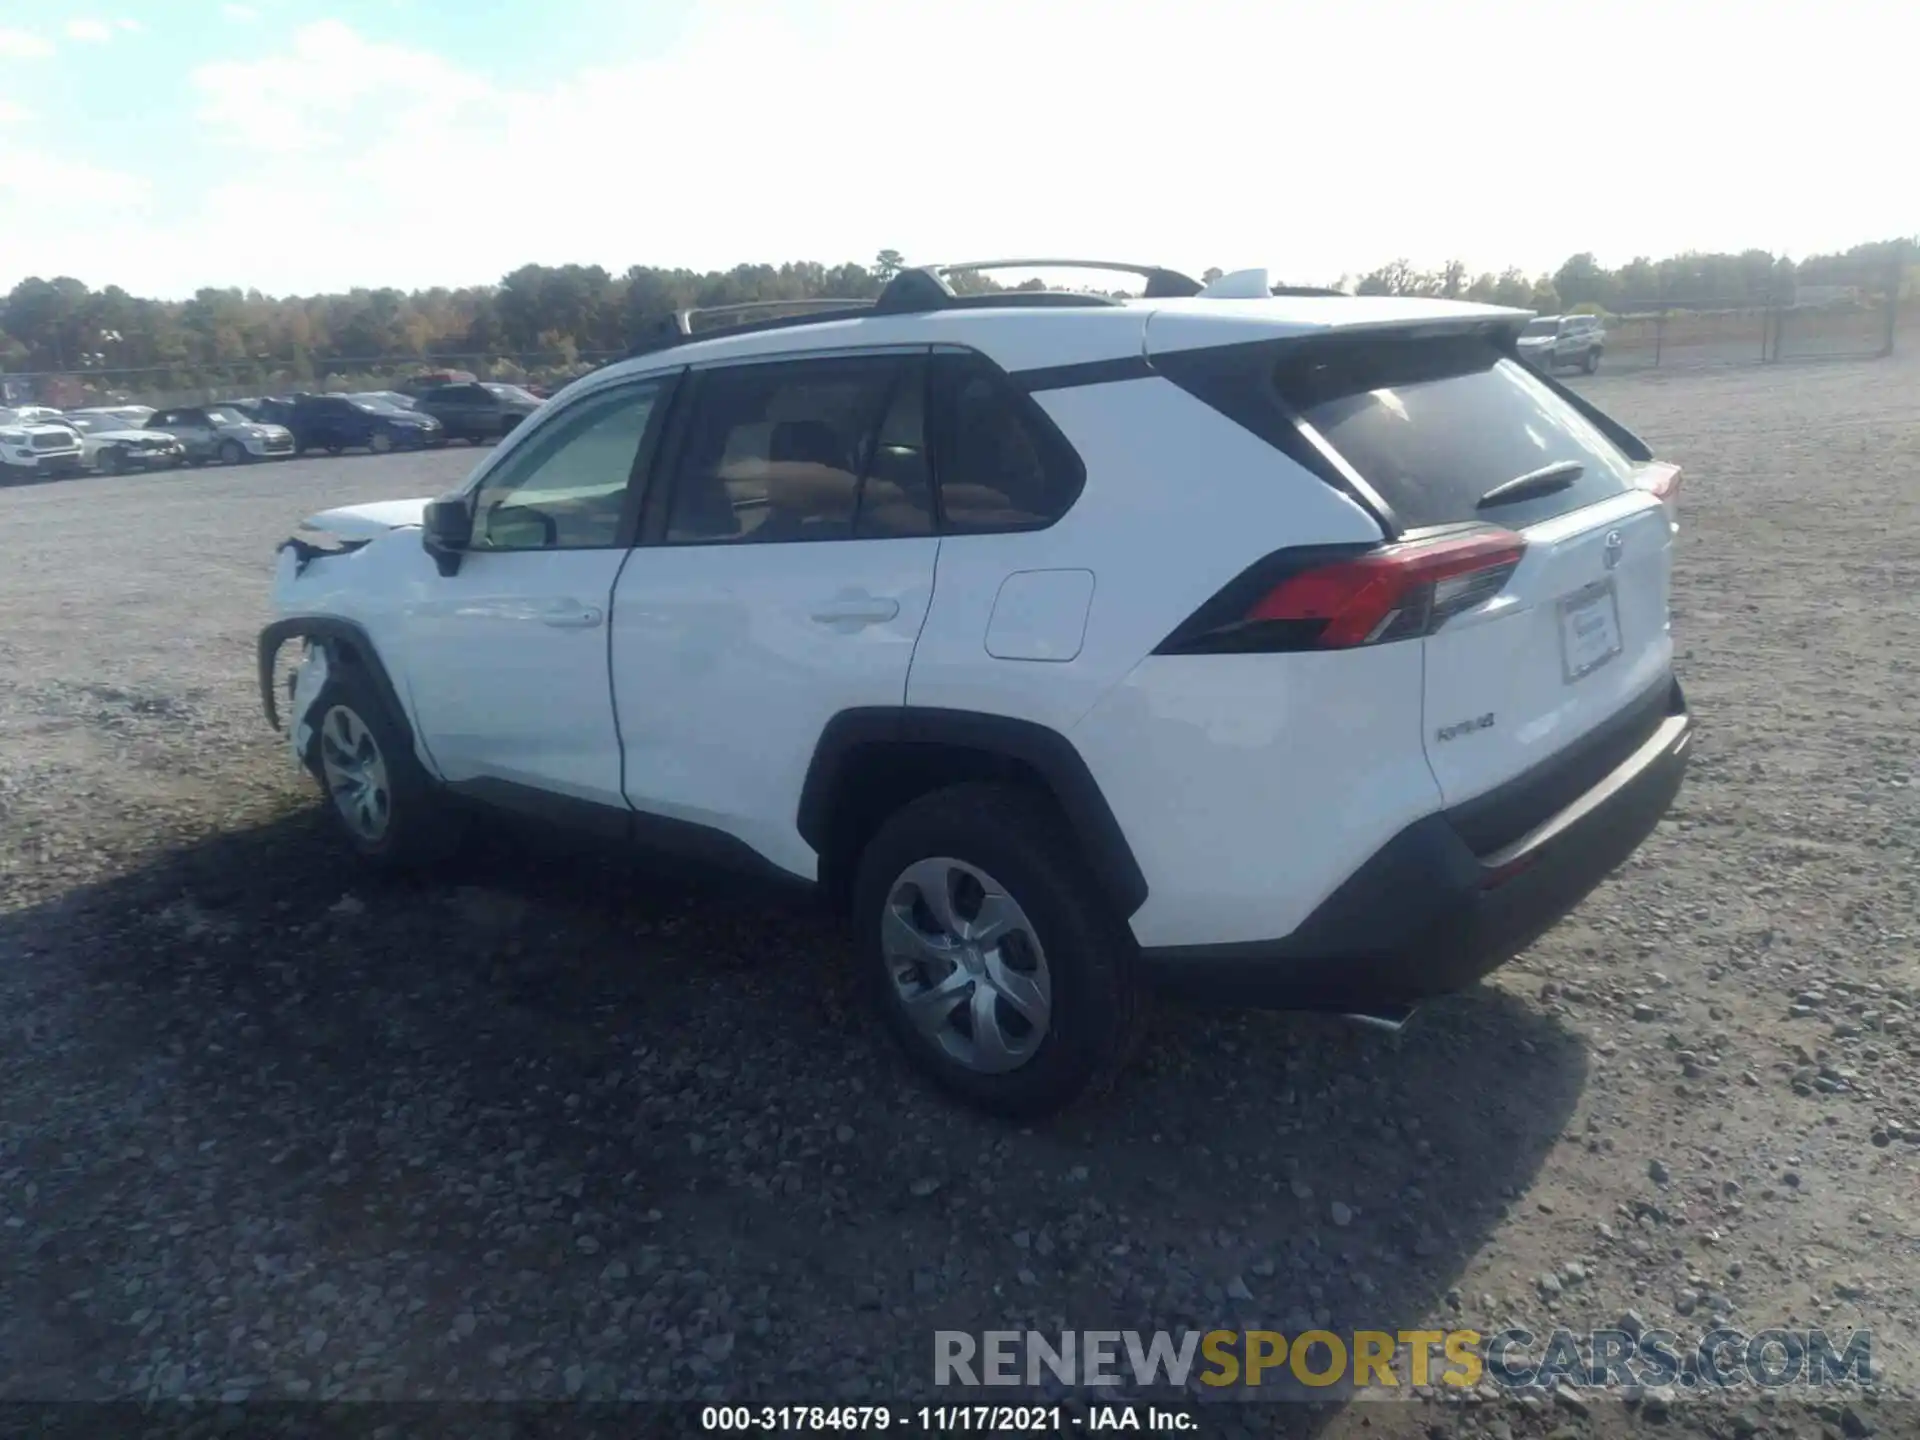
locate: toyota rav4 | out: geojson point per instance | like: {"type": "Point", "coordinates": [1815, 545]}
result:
{"type": "Point", "coordinates": [1301, 649]}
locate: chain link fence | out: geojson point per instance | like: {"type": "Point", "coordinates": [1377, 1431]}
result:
{"type": "Point", "coordinates": [1860, 313]}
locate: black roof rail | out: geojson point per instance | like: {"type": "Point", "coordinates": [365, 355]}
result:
{"type": "Point", "coordinates": [1162, 283]}
{"type": "Point", "coordinates": [677, 328]}
{"type": "Point", "coordinates": [1307, 290]}
{"type": "Point", "coordinates": [917, 290]}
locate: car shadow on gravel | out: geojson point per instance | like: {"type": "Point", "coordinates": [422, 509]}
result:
{"type": "Point", "coordinates": [600, 1124]}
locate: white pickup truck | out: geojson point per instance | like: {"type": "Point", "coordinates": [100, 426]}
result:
{"type": "Point", "coordinates": [31, 447]}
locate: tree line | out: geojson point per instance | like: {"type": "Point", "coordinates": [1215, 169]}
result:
{"type": "Point", "coordinates": [574, 314]}
{"type": "Point", "coordinates": [1692, 281]}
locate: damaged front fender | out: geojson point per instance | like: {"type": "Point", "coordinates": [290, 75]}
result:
{"type": "Point", "coordinates": [338, 644]}
{"type": "Point", "coordinates": [309, 681]}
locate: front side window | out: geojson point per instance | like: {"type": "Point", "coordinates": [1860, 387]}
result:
{"type": "Point", "coordinates": [565, 489]}
{"type": "Point", "coordinates": [778, 452]}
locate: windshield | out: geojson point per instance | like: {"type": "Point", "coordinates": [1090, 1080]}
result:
{"type": "Point", "coordinates": [1541, 327]}
{"type": "Point", "coordinates": [514, 392]}
{"type": "Point", "coordinates": [224, 416]}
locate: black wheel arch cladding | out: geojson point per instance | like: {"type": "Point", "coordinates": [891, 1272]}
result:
{"type": "Point", "coordinates": [837, 761]}
{"type": "Point", "coordinates": [347, 642]}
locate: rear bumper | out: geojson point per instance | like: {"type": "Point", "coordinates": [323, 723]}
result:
{"type": "Point", "coordinates": [1426, 916]}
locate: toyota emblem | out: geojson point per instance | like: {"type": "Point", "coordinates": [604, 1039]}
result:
{"type": "Point", "coordinates": [1616, 542]}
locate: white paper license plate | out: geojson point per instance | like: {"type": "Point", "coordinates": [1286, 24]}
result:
{"type": "Point", "coordinates": [1589, 629]}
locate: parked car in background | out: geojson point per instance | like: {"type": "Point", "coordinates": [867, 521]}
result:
{"type": "Point", "coordinates": [342, 422]}
{"type": "Point", "coordinates": [392, 398]}
{"type": "Point", "coordinates": [223, 433]}
{"type": "Point", "coordinates": [264, 409]}
{"type": "Point", "coordinates": [418, 385]}
{"type": "Point", "coordinates": [131, 417]}
{"type": "Point", "coordinates": [1553, 341]}
{"type": "Point", "coordinates": [479, 412]}
{"type": "Point", "coordinates": [32, 448]}
{"type": "Point", "coordinates": [109, 445]}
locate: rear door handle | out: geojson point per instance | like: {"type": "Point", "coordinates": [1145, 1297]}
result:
{"type": "Point", "coordinates": [857, 610]}
{"type": "Point", "coordinates": [583, 617]}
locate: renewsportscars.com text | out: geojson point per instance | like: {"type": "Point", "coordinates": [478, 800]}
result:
{"type": "Point", "coordinates": [1389, 1360]}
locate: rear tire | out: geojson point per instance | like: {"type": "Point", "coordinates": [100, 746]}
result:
{"type": "Point", "coordinates": [1036, 1001]}
{"type": "Point", "coordinates": [334, 449]}
{"type": "Point", "coordinates": [380, 796]}
{"type": "Point", "coordinates": [1590, 362]}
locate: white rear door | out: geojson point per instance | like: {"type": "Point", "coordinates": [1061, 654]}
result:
{"type": "Point", "coordinates": [787, 572]}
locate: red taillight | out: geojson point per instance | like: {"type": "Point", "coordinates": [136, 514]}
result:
{"type": "Point", "coordinates": [1660, 480]}
{"type": "Point", "coordinates": [1395, 593]}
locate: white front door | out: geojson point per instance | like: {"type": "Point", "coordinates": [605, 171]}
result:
{"type": "Point", "coordinates": [506, 662]}
{"type": "Point", "coordinates": [788, 580]}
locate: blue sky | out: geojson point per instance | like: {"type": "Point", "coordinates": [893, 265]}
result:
{"type": "Point", "coordinates": [302, 145]}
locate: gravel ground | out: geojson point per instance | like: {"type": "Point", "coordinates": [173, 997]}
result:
{"type": "Point", "coordinates": [270, 1128]}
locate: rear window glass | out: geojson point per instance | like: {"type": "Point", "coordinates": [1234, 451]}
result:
{"type": "Point", "coordinates": [1433, 424]}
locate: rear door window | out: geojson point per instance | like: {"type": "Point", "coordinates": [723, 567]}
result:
{"type": "Point", "coordinates": [778, 451]}
{"type": "Point", "coordinates": [1432, 424]}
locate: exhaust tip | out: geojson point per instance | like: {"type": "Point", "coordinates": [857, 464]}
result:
{"type": "Point", "coordinates": [1390, 1018]}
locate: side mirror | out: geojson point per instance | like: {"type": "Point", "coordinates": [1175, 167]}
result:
{"type": "Point", "coordinates": [446, 527]}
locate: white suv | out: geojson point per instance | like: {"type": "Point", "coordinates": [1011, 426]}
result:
{"type": "Point", "coordinates": [1306, 649]}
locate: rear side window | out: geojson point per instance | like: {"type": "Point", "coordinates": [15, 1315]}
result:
{"type": "Point", "coordinates": [1001, 464]}
{"type": "Point", "coordinates": [1434, 423]}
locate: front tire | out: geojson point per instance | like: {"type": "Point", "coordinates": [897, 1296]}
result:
{"type": "Point", "coordinates": [380, 442]}
{"type": "Point", "coordinates": [109, 462]}
{"type": "Point", "coordinates": [232, 452]}
{"type": "Point", "coordinates": [381, 798]}
{"type": "Point", "coordinates": [1590, 362]}
{"type": "Point", "coordinates": [992, 953]}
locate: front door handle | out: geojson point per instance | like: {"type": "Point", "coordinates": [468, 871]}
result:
{"type": "Point", "coordinates": [584, 617]}
{"type": "Point", "coordinates": [857, 610]}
